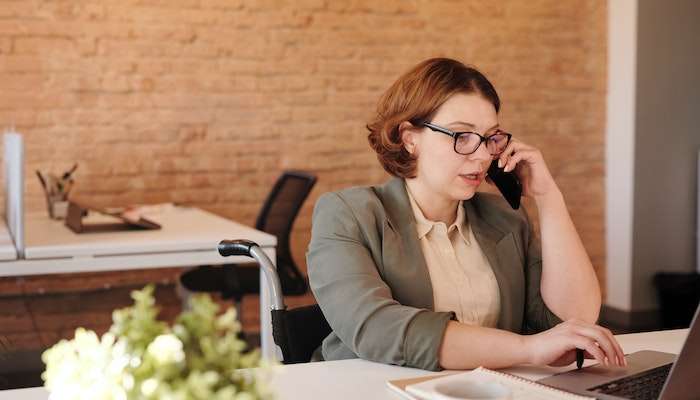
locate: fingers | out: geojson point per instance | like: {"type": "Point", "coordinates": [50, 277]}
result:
{"type": "Point", "coordinates": [588, 355]}
{"type": "Point", "coordinates": [517, 157]}
{"type": "Point", "coordinates": [604, 339]}
{"type": "Point", "coordinates": [591, 348]}
{"type": "Point", "coordinates": [618, 349]}
{"type": "Point", "coordinates": [505, 156]}
{"type": "Point", "coordinates": [514, 153]}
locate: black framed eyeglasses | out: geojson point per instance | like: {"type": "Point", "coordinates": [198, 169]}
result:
{"type": "Point", "coordinates": [468, 142]}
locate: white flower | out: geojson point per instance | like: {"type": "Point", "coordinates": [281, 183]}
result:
{"type": "Point", "coordinates": [87, 367]}
{"type": "Point", "coordinates": [166, 349]}
{"type": "Point", "coordinates": [149, 386]}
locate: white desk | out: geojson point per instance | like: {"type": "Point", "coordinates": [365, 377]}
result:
{"type": "Point", "coordinates": [359, 379]}
{"type": "Point", "coordinates": [188, 237]}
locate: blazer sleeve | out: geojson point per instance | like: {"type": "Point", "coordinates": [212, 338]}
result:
{"type": "Point", "coordinates": [538, 317]}
{"type": "Point", "coordinates": [355, 300]}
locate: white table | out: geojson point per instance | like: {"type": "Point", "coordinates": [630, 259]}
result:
{"type": "Point", "coordinates": [359, 379]}
{"type": "Point", "coordinates": [188, 237]}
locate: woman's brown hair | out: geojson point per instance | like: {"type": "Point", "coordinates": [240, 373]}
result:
{"type": "Point", "coordinates": [415, 97]}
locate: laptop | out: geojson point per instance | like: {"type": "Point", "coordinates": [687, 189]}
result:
{"type": "Point", "coordinates": [649, 374]}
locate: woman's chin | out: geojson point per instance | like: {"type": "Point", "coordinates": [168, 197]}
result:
{"type": "Point", "coordinates": [464, 189]}
{"type": "Point", "coordinates": [464, 194]}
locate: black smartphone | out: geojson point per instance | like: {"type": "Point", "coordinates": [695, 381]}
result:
{"type": "Point", "coordinates": [507, 183]}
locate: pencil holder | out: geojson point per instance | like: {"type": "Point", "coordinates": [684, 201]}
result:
{"type": "Point", "coordinates": [58, 207]}
{"type": "Point", "coordinates": [57, 189]}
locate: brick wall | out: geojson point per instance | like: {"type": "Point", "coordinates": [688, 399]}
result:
{"type": "Point", "coordinates": [204, 102]}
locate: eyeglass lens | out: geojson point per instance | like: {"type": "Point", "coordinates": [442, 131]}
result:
{"type": "Point", "coordinates": [467, 143]}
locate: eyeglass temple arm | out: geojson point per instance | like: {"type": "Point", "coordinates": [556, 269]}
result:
{"type": "Point", "coordinates": [439, 129]}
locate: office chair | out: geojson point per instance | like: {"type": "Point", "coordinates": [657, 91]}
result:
{"type": "Point", "coordinates": [299, 331]}
{"type": "Point", "coordinates": [276, 217]}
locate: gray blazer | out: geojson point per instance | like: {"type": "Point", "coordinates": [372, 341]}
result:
{"type": "Point", "coordinates": [368, 273]}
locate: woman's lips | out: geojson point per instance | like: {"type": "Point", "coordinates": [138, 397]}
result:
{"type": "Point", "coordinates": [472, 179]}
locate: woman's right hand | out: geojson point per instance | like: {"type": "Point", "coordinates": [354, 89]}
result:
{"type": "Point", "coordinates": [557, 346]}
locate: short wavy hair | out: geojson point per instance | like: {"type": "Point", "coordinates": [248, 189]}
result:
{"type": "Point", "coordinates": [415, 97]}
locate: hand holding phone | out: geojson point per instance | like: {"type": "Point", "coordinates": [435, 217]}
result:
{"type": "Point", "coordinates": [507, 183]}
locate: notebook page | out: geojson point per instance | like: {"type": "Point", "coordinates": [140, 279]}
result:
{"type": "Point", "coordinates": [522, 389]}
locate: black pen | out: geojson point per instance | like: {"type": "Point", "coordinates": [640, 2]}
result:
{"type": "Point", "coordinates": [579, 358]}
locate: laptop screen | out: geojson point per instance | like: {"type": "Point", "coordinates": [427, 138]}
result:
{"type": "Point", "coordinates": [683, 379]}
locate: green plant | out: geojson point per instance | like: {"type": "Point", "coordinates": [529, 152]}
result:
{"type": "Point", "coordinates": [199, 357]}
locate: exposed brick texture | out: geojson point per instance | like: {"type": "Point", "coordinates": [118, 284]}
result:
{"type": "Point", "coordinates": [205, 102]}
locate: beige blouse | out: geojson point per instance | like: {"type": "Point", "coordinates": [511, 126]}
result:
{"type": "Point", "coordinates": [460, 274]}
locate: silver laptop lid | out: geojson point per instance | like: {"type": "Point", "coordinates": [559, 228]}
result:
{"type": "Point", "coordinates": [684, 379]}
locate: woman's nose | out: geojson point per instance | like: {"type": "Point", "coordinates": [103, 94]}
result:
{"type": "Point", "coordinates": [481, 153]}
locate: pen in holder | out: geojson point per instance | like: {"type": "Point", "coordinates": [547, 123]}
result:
{"type": "Point", "coordinates": [57, 189]}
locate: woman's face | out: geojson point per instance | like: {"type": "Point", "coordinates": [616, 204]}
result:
{"type": "Point", "coordinates": [440, 169]}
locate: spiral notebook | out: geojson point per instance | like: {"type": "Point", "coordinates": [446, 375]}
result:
{"type": "Point", "coordinates": [426, 388]}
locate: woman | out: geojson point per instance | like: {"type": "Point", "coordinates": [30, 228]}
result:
{"type": "Point", "coordinates": [426, 272]}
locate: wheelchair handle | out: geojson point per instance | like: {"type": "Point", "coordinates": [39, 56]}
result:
{"type": "Point", "coordinates": [251, 249]}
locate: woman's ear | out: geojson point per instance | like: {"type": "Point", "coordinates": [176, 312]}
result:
{"type": "Point", "coordinates": [409, 137]}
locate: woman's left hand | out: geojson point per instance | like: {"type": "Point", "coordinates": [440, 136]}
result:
{"type": "Point", "coordinates": [530, 168]}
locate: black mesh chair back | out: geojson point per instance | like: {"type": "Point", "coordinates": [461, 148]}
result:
{"type": "Point", "coordinates": [299, 331]}
{"type": "Point", "coordinates": [276, 218]}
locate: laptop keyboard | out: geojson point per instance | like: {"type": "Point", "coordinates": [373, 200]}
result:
{"type": "Point", "coordinates": [644, 385]}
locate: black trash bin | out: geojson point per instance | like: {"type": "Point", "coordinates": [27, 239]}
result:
{"type": "Point", "coordinates": [679, 296]}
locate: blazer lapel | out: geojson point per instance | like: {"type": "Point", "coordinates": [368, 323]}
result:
{"type": "Point", "coordinates": [492, 242]}
{"type": "Point", "coordinates": [405, 268]}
